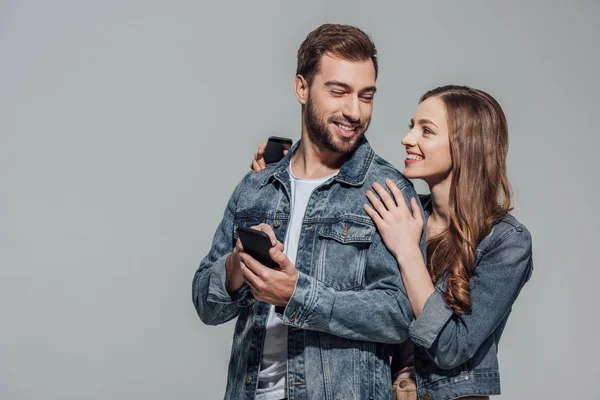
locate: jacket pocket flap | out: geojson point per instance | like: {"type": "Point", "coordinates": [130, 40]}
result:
{"type": "Point", "coordinates": [348, 231]}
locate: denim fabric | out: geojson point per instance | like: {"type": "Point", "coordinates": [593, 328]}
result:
{"type": "Point", "coordinates": [349, 305]}
{"type": "Point", "coordinates": [456, 355]}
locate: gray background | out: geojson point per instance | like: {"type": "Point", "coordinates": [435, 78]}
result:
{"type": "Point", "coordinates": [125, 125]}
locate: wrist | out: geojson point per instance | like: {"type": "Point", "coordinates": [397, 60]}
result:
{"type": "Point", "coordinates": [409, 257]}
{"type": "Point", "coordinates": [233, 279]}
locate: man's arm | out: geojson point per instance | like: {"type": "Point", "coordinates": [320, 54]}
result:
{"type": "Point", "coordinates": [214, 303]}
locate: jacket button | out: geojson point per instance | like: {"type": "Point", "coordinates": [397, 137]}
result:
{"type": "Point", "coordinates": [345, 231]}
{"type": "Point", "coordinates": [293, 316]}
{"type": "Point", "coordinates": [256, 325]}
{"type": "Point", "coordinates": [403, 384]}
{"type": "Point", "coordinates": [277, 223]}
{"type": "Point", "coordinates": [248, 380]}
{"type": "Point", "coordinates": [426, 396]}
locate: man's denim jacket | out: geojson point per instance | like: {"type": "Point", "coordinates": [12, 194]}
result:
{"type": "Point", "coordinates": [349, 304]}
{"type": "Point", "coordinates": [457, 355]}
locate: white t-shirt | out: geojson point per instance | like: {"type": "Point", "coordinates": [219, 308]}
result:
{"type": "Point", "coordinates": [273, 364]}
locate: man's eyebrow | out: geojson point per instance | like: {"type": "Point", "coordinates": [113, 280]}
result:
{"type": "Point", "coordinates": [369, 89]}
{"type": "Point", "coordinates": [338, 83]}
{"type": "Point", "coordinates": [348, 87]}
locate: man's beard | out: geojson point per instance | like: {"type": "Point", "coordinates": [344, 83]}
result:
{"type": "Point", "coordinates": [319, 134]}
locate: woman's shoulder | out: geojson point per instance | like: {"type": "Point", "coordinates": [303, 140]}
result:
{"type": "Point", "coordinates": [508, 231]}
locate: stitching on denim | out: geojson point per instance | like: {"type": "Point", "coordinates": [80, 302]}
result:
{"type": "Point", "coordinates": [496, 243]}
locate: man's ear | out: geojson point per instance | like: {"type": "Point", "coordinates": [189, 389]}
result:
{"type": "Point", "coordinates": [301, 89]}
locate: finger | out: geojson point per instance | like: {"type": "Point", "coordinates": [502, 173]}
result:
{"type": "Point", "coordinates": [398, 197]}
{"type": "Point", "coordinates": [384, 196]}
{"type": "Point", "coordinates": [373, 214]}
{"type": "Point", "coordinates": [416, 210]}
{"type": "Point", "coordinates": [251, 278]}
{"type": "Point", "coordinates": [238, 245]}
{"type": "Point", "coordinates": [253, 288]}
{"type": "Point", "coordinates": [255, 166]}
{"type": "Point", "coordinates": [261, 151]}
{"type": "Point", "coordinates": [280, 246]}
{"type": "Point", "coordinates": [261, 163]}
{"type": "Point", "coordinates": [285, 152]}
{"type": "Point", "coordinates": [254, 266]}
{"type": "Point", "coordinates": [280, 258]}
{"type": "Point", "coordinates": [269, 231]}
{"type": "Point", "coordinates": [378, 205]}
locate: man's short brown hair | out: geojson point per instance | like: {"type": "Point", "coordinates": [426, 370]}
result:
{"type": "Point", "coordinates": [342, 41]}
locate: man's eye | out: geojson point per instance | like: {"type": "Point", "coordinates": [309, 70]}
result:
{"type": "Point", "coordinates": [367, 98]}
{"type": "Point", "coordinates": [337, 93]}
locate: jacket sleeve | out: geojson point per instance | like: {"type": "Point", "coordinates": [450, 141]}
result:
{"type": "Point", "coordinates": [212, 301]}
{"type": "Point", "coordinates": [379, 312]}
{"type": "Point", "coordinates": [451, 339]}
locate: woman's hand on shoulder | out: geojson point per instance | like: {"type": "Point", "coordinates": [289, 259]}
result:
{"type": "Point", "coordinates": [258, 161]}
{"type": "Point", "coordinates": [400, 229]}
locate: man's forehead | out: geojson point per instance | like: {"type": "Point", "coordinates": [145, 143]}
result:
{"type": "Point", "coordinates": [357, 74]}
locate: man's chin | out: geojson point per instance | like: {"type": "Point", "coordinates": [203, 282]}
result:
{"type": "Point", "coordinates": [342, 144]}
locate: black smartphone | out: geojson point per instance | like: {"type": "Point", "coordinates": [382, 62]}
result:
{"type": "Point", "coordinates": [257, 244]}
{"type": "Point", "coordinates": [275, 147]}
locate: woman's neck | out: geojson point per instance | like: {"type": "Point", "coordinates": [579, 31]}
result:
{"type": "Point", "coordinates": [439, 220]}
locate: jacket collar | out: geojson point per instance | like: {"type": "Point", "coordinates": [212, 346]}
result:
{"type": "Point", "coordinates": [353, 172]}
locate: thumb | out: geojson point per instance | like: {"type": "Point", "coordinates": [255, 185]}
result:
{"type": "Point", "coordinates": [280, 258]}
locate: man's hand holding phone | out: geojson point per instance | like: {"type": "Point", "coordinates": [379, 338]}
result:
{"type": "Point", "coordinates": [234, 277]}
{"type": "Point", "coordinates": [271, 285]}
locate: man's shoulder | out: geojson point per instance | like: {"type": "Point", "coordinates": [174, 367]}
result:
{"type": "Point", "coordinates": [257, 179]}
{"type": "Point", "coordinates": [381, 169]}
{"type": "Point", "coordinates": [251, 182]}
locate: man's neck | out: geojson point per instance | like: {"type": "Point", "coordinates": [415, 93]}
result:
{"type": "Point", "coordinates": [313, 162]}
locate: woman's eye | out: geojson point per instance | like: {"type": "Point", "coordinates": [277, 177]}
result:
{"type": "Point", "coordinates": [426, 131]}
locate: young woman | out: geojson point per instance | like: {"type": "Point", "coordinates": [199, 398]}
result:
{"type": "Point", "coordinates": [478, 255]}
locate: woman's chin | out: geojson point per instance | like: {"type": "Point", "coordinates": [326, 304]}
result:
{"type": "Point", "coordinates": [411, 174]}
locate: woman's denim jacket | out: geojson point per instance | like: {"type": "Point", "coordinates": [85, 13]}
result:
{"type": "Point", "coordinates": [349, 305]}
{"type": "Point", "coordinates": [456, 355]}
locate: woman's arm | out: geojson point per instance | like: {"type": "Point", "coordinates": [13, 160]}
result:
{"type": "Point", "coordinates": [401, 232]}
{"type": "Point", "coordinates": [451, 339]}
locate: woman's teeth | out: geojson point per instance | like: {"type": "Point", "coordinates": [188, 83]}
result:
{"type": "Point", "coordinates": [414, 157]}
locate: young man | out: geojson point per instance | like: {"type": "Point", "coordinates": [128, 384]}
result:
{"type": "Point", "coordinates": [320, 326]}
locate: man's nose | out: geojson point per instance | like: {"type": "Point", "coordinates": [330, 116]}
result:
{"type": "Point", "coordinates": [352, 109]}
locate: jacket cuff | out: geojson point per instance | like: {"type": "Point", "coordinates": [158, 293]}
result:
{"type": "Point", "coordinates": [301, 302]}
{"type": "Point", "coordinates": [217, 293]}
{"type": "Point", "coordinates": [424, 330]}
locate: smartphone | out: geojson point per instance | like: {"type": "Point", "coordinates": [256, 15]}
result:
{"type": "Point", "coordinates": [257, 244]}
{"type": "Point", "coordinates": [275, 147]}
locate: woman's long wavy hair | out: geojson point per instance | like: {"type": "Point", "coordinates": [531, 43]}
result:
{"type": "Point", "coordinates": [480, 192]}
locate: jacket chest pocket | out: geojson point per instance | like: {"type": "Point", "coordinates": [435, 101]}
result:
{"type": "Point", "coordinates": [343, 253]}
